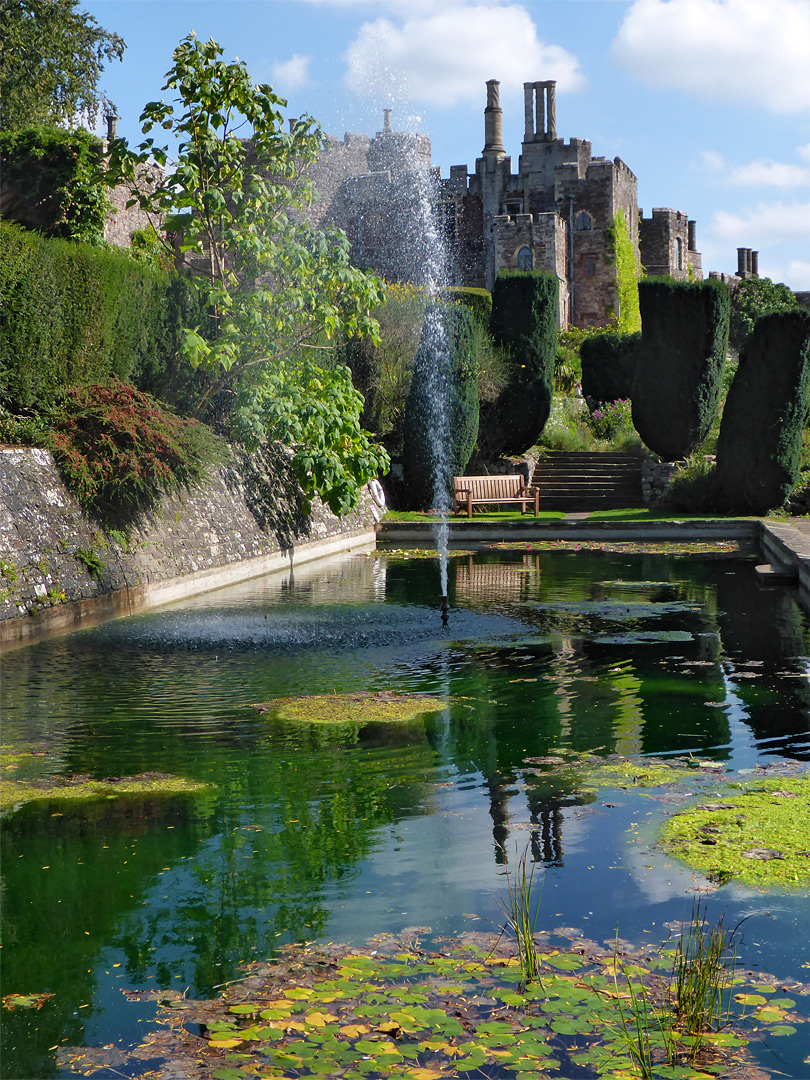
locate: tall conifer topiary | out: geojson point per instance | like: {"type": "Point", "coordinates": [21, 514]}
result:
{"type": "Point", "coordinates": [677, 382]}
{"type": "Point", "coordinates": [525, 307]}
{"type": "Point", "coordinates": [441, 413]}
{"type": "Point", "coordinates": [760, 440]}
{"type": "Point", "coordinates": [608, 365]}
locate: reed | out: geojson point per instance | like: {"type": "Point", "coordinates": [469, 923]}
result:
{"type": "Point", "coordinates": [702, 975]}
{"type": "Point", "coordinates": [521, 908]}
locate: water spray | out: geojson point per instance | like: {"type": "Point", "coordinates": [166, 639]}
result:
{"type": "Point", "coordinates": [445, 610]}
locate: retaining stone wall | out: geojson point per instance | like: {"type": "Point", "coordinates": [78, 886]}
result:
{"type": "Point", "coordinates": [58, 569]}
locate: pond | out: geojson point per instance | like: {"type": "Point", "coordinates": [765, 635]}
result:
{"type": "Point", "coordinates": [306, 833]}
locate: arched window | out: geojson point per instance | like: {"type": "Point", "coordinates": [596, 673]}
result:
{"type": "Point", "coordinates": [525, 259]}
{"type": "Point", "coordinates": [584, 221]}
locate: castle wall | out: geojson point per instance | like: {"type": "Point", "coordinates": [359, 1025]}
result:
{"type": "Point", "coordinates": [666, 246]}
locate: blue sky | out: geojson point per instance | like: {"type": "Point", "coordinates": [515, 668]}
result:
{"type": "Point", "coordinates": [707, 101]}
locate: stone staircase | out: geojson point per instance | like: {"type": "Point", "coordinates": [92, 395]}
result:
{"type": "Point", "coordinates": [588, 481]}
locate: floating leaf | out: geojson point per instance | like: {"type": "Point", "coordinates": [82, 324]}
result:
{"type": "Point", "coordinates": [24, 1001]}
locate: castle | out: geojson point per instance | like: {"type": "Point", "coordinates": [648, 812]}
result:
{"type": "Point", "coordinates": [556, 213]}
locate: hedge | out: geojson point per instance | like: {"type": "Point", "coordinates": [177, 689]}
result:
{"type": "Point", "coordinates": [760, 440]}
{"type": "Point", "coordinates": [525, 311]}
{"type": "Point", "coordinates": [677, 381]}
{"type": "Point", "coordinates": [479, 301]}
{"type": "Point", "coordinates": [441, 413]}
{"type": "Point", "coordinates": [608, 366]}
{"type": "Point", "coordinates": [74, 314]}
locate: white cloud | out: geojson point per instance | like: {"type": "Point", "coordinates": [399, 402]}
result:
{"type": "Point", "coordinates": [293, 73]}
{"type": "Point", "coordinates": [764, 225]}
{"type": "Point", "coordinates": [798, 275]}
{"type": "Point", "coordinates": [804, 153]}
{"type": "Point", "coordinates": [770, 174]}
{"type": "Point", "coordinates": [726, 50]}
{"type": "Point", "coordinates": [444, 53]}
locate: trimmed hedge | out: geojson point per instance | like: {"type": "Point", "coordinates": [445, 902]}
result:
{"type": "Point", "coordinates": [525, 307]}
{"type": "Point", "coordinates": [441, 413]}
{"type": "Point", "coordinates": [677, 381]}
{"type": "Point", "coordinates": [479, 301]}
{"type": "Point", "coordinates": [75, 314]}
{"type": "Point", "coordinates": [608, 366]}
{"type": "Point", "coordinates": [760, 441]}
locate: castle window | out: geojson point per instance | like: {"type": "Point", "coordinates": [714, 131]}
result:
{"type": "Point", "coordinates": [525, 259]}
{"type": "Point", "coordinates": [590, 265]}
{"type": "Point", "coordinates": [584, 221]}
{"type": "Point", "coordinates": [679, 252]}
{"type": "Point", "coordinates": [514, 207]}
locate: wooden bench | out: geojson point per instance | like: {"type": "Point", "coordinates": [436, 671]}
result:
{"type": "Point", "coordinates": [470, 491]}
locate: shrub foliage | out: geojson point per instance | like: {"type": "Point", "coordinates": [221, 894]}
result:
{"type": "Point", "coordinates": [75, 314]}
{"type": "Point", "coordinates": [608, 365]}
{"type": "Point", "coordinates": [118, 449]}
{"type": "Point", "coordinates": [524, 323]}
{"type": "Point", "coordinates": [441, 414]}
{"type": "Point", "coordinates": [677, 381]}
{"type": "Point", "coordinates": [760, 442]}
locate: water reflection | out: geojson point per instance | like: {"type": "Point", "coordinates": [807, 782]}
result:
{"type": "Point", "coordinates": [303, 835]}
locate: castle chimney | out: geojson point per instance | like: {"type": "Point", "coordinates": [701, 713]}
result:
{"type": "Point", "coordinates": [293, 122]}
{"type": "Point", "coordinates": [551, 130]}
{"type": "Point", "coordinates": [387, 120]}
{"type": "Point", "coordinates": [112, 126]}
{"type": "Point", "coordinates": [493, 118]}
{"type": "Point", "coordinates": [742, 262]}
{"type": "Point", "coordinates": [528, 110]}
{"type": "Point", "coordinates": [755, 263]}
{"type": "Point", "coordinates": [691, 243]}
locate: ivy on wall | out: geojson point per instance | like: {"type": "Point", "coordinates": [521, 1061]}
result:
{"type": "Point", "coordinates": [624, 255]}
{"type": "Point", "coordinates": [51, 183]}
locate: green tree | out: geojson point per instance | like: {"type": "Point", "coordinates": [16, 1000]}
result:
{"type": "Point", "coordinates": [275, 289]}
{"type": "Point", "coordinates": [753, 298]}
{"type": "Point", "coordinates": [50, 63]}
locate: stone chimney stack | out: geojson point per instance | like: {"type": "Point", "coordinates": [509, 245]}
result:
{"type": "Point", "coordinates": [387, 120]}
{"type": "Point", "coordinates": [112, 126]}
{"type": "Point", "coordinates": [540, 111]}
{"type": "Point", "coordinates": [493, 118]}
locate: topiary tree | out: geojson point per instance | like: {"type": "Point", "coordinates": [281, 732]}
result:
{"type": "Point", "coordinates": [760, 442]}
{"type": "Point", "coordinates": [441, 413]}
{"type": "Point", "coordinates": [525, 312]}
{"type": "Point", "coordinates": [608, 366]}
{"type": "Point", "coordinates": [677, 380]}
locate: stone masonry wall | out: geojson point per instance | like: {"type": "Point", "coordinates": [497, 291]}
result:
{"type": "Point", "coordinates": [57, 568]}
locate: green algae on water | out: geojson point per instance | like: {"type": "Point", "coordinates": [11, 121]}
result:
{"type": "Point", "coordinates": [360, 708]}
{"type": "Point", "coordinates": [14, 793]}
{"type": "Point", "coordinates": [757, 833]}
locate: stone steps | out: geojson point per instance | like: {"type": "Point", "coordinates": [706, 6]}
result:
{"type": "Point", "coordinates": [588, 481]}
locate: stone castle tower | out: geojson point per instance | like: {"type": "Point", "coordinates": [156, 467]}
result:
{"type": "Point", "coordinates": [555, 213]}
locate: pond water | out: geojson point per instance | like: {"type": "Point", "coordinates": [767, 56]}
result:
{"type": "Point", "coordinates": [302, 835]}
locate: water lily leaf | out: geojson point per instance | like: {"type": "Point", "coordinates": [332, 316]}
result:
{"type": "Point", "coordinates": [421, 1073]}
{"type": "Point", "coordinates": [299, 993]}
{"type": "Point", "coordinates": [246, 1010]}
{"type": "Point", "coordinates": [24, 1001]}
{"type": "Point", "coordinates": [389, 1027]}
{"type": "Point", "coordinates": [319, 1019]}
{"type": "Point", "coordinates": [750, 999]}
{"type": "Point", "coordinates": [228, 1074]}
{"type": "Point", "coordinates": [224, 1044]}
{"type": "Point", "coordinates": [294, 1025]}
{"type": "Point", "coordinates": [782, 1029]}
{"type": "Point", "coordinates": [351, 1031]}
{"type": "Point", "coordinates": [769, 1015]}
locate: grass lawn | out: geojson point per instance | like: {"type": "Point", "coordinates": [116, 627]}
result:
{"type": "Point", "coordinates": [630, 514]}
